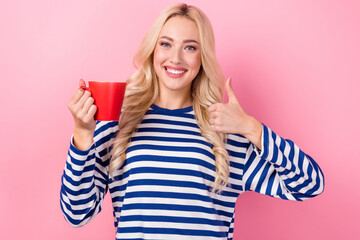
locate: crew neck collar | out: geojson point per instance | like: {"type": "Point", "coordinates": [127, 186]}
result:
{"type": "Point", "coordinates": [172, 111]}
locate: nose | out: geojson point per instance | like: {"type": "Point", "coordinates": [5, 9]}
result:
{"type": "Point", "coordinates": [176, 56]}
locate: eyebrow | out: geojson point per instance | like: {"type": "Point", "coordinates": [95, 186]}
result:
{"type": "Point", "coordinates": [185, 41]}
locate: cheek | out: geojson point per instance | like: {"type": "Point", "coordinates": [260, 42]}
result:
{"type": "Point", "coordinates": [157, 61]}
{"type": "Point", "coordinates": [159, 56]}
{"type": "Point", "coordinates": [195, 62]}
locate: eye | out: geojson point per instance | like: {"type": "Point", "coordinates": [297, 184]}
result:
{"type": "Point", "coordinates": [191, 48]}
{"type": "Point", "coordinates": [164, 44]}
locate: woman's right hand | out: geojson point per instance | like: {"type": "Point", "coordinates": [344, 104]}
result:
{"type": "Point", "coordinates": [82, 108]}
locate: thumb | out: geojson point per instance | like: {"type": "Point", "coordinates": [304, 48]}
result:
{"type": "Point", "coordinates": [230, 91]}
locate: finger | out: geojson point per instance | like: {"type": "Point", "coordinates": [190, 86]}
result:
{"type": "Point", "coordinates": [216, 122]}
{"type": "Point", "coordinates": [78, 93]}
{"type": "Point", "coordinates": [76, 96]}
{"type": "Point", "coordinates": [215, 128]}
{"type": "Point", "coordinates": [230, 91]}
{"type": "Point", "coordinates": [213, 107]}
{"type": "Point", "coordinates": [80, 104]}
{"type": "Point", "coordinates": [91, 113]}
{"type": "Point", "coordinates": [212, 114]}
{"type": "Point", "coordinates": [82, 83]}
{"type": "Point", "coordinates": [82, 113]}
{"type": "Point", "coordinates": [88, 103]}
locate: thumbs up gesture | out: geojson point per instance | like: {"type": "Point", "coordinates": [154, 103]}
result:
{"type": "Point", "coordinates": [231, 118]}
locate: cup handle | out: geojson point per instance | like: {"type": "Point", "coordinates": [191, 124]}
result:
{"type": "Point", "coordinates": [85, 88]}
{"type": "Point", "coordinates": [82, 85]}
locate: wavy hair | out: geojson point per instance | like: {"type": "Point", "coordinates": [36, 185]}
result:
{"type": "Point", "coordinates": [142, 90]}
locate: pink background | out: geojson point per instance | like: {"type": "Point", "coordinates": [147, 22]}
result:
{"type": "Point", "coordinates": [295, 66]}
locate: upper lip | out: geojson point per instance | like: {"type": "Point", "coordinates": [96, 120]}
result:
{"type": "Point", "coordinates": [176, 68]}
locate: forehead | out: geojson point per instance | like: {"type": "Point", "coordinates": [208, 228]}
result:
{"type": "Point", "coordinates": [180, 28]}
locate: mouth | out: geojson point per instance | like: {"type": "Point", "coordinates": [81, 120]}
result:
{"type": "Point", "coordinates": [175, 72]}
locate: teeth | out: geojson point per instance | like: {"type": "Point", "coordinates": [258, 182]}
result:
{"type": "Point", "coordinates": [174, 71]}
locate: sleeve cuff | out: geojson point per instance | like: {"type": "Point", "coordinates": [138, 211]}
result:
{"type": "Point", "coordinates": [78, 151]}
{"type": "Point", "coordinates": [263, 153]}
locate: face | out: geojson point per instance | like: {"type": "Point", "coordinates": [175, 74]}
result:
{"type": "Point", "coordinates": [177, 58]}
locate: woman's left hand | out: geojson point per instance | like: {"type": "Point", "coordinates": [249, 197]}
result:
{"type": "Point", "coordinates": [231, 118]}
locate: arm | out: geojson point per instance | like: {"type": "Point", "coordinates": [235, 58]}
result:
{"type": "Point", "coordinates": [85, 178]}
{"type": "Point", "coordinates": [273, 165]}
{"type": "Point", "coordinates": [281, 169]}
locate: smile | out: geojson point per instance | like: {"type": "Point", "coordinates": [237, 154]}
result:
{"type": "Point", "coordinates": [175, 73]}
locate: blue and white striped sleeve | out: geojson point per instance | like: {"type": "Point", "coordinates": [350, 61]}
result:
{"type": "Point", "coordinates": [281, 169]}
{"type": "Point", "coordinates": [85, 178]}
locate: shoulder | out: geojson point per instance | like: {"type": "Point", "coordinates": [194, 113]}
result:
{"type": "Point", "coordinates": [106, 128]}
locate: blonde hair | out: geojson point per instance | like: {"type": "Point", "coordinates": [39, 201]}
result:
{"type": "Point", "coordinates": [143, 89]}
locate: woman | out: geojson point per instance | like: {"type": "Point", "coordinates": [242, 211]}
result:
{"type": "Point", "coordinates": [178, 158]}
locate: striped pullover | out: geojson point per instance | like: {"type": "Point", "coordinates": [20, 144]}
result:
{"type": "Point", "coordinates": [163, 189]}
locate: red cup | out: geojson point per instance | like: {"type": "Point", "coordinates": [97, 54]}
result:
{"type": "Point", "coordinates": [108, 98]}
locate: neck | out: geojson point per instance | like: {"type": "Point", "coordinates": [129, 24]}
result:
{"type": "Point", "coordinates": [174, 100]}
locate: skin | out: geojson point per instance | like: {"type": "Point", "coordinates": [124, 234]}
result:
{"type": "Point", "coordinates": [82, 108]}
{"type": "Point", "coordinates": [231, 118]}
{"type": "Point", "coordinates": [178, 47]}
